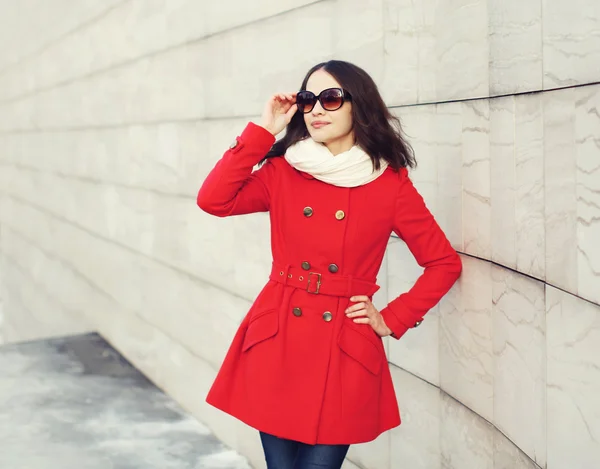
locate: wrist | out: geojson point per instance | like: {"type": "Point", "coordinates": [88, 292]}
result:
{"type": "Point", "coordinates": [268, 128]}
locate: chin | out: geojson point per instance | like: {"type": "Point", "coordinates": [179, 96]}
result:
{"type": "Point", "coordinates": [320, 137]}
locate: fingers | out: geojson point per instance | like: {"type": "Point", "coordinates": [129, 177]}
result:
{"type": "Point", "coordinates": [365, 303]}
{"type": "Point", "coordinates": [363, 312]}
{"type": "Point", "coordinates": [356, 307]}
{"type": "Point", "coordinates": [363, 321]}
{"type": "Point", "coordinates": [360, 298]}
{"type": "Point", "coordinates": [291, 111]}
{"type": "Point", "coordinates": [283, 97]}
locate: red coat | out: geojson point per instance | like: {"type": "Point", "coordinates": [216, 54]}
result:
{"type": "Point", "coordinates": [298, 368]}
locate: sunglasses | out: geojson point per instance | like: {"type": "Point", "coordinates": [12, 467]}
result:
{"type": "Point", "coordinates": [331, 99]}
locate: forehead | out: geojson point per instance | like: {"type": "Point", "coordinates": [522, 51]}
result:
{"type": "Point", "coordinates": [321, 80]}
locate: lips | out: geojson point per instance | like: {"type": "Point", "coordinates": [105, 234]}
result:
{"type": "Point", "coordinates": [319, 124]}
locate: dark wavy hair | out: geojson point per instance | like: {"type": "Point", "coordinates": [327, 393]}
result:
{"type": "Point", "coordinates": [376, 130]}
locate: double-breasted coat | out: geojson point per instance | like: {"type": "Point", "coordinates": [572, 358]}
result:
{"type": "Point", "coordinates": [298, 368]}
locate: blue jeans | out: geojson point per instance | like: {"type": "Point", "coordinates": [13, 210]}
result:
{"type": "Point", "coordinates": [289, 454]}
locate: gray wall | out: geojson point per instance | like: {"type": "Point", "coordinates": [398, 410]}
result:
{"type": "Point", "coordinates": [113, 112]}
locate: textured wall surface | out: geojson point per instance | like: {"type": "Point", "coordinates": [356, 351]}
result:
{"type": "Point", "coordinates": [113, 112]}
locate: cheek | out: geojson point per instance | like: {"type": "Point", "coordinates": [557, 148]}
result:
{"type": "Point", "coordinates": [346, 122]}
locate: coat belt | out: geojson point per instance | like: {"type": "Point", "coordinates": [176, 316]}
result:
{"type": "Point", "coordinates": [322, 283]}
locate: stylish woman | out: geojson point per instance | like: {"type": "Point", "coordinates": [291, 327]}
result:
{"type": "Point", "coordinates": [307, 367]}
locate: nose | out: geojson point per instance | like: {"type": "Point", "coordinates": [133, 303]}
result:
{"type": "Point", "coordinates": [318, 109]}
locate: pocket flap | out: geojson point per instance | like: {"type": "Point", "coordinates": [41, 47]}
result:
{"type": "Point", "coordinates": [361, 348]}
{"type": "Point", "coordinates": [262, 327]}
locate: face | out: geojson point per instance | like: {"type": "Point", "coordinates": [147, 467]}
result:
{"type": "Point", "coordinates": [332, 128]}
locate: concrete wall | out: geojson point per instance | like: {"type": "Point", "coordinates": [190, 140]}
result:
{"type": "Point", "coordinates": [112, 113]}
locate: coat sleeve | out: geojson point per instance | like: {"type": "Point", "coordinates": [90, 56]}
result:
{"type": "Point", "coordinates": [414, 224]}
{"type": "Point", "coordinates": [231, 188]}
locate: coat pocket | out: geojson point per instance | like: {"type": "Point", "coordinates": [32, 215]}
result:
{"type": "Point", "coordinates": [261, 327]}
{"type": "Point", "coordinates": [362, 349]}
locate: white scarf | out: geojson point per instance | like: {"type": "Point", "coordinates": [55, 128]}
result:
{"type": "Point", "coordinates": [348, 169]}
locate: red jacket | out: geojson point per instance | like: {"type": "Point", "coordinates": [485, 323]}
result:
{"type": "Point", "coordinates": [298, 368]}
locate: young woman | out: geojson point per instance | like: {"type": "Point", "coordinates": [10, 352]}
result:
{"type": "Point", "coordinates": [307, 367]}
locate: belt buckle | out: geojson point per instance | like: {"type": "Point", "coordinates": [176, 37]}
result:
{"type": "Point", "coordinates": [318, 283]}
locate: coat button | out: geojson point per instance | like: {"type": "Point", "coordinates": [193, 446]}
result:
{"type": "Point", "coordinates": [308, 211]}
{"type": "Point", "coordinates": [233, 144]}
{"type": "Point", "coordinates": [340, 214]}
{"type": "Point", "coordinates": [297, 312]}
{"type": "Point", "coordinates": [327, 316]}
{"type": "Point", "coordinates": [306, 265]}
{"type": "Point", "coordinates": [333, 268]}
{"type": "Point", "coordinates": [418, 323]}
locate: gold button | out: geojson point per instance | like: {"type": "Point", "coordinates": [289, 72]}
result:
{"type": "Point", "coordinates": [333, 268]}
{"type": "Point", "coordinates": [308, 211]}
{"type": "Point", "coordinates": [340, 214]}
{"type": "Point", "coordinates": [297, 312]}
{"type": "Point", "coordinates": [418, 323]}
{"type": "Point", "coordinates": [327, 316]}
{"type": "Point", "coordinates": [233, 144]}
{"type": "Point", "coordinates": [306, 265]}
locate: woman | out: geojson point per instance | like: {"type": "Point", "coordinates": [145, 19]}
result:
{"type": "Point", "coordinates": [307, 367]}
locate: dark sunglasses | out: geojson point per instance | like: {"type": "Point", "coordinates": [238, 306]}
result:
{"type": "Point", "coordinates": [331, 99]}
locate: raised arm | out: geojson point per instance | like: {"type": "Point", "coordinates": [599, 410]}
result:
{"type": "Point", "coordinates": [427, 242]}
{"type": "Point", "coordinates": [231, 188]}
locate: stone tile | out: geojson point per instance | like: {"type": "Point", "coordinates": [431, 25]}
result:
{"type": "Point", "coordinates": [520, 361]}
{"type": "Point", "coordinates": [33, 310]}
{"type": "Point", "coordinates": [448, 137]}
{"type": "Point", "coordinates": [476, 176]}
{"type": "Point", "coordinates": [152, 287]}
{"type": "Point", "coordinates": [373, 454]}
{"type": "Point", "coordinates": [529, 186]}
{"type": "Point", "coordinates": [571, 42]}
{"type": "Point", "coordinates": [228, 14]}
{"type": "Point", "coordinates": [503, 167]}
{"type": "Point", "coordinates": [466, 360]}
{"type": "Point", "coordinates": [250, 257]}
{"type": "Point", "coordinates": [466, 440]}
{"type": "Point", "coordinates": [417, 350]}
{"type": "Point", "coordinates": [560, 176]}
{"type": "Point", "coordinates": [573, 338]}
{"type": "Point", "coordinates": [587, 119]}
{"type": "Point", "coordinates": [132, 30]}
{"type": "Point", "coordinates": [349, 465]}
{"type": "Point", "coordinates": [236, 51]}
{"type": "Point", "coordinates": [160, 87]}
{"type": "Point", "coordinates": [515, 30]}
{"type": "Point", "coordinates": [462, 37]}
{"type": "Point", "coordinates": [364, 49]}
{"type": "Point", "coordinates": [380, 298]}
{"type": "Point", "coordinates": [509, 456]}
{"type": "Point", "coordinates": [416, 442]}
{"type": "Point", "coordinates": [49, 22]}
{"type": "Point", "coordinates": [418, 123]}
{"type": "Point", "coordinates": [410, 52]}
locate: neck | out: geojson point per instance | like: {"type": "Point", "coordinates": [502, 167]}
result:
{"type": "Point", "coordinates": [340, 145]}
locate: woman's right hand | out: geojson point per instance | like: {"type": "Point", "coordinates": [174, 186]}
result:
{"type": "Point", "coordinates": [278, 112]}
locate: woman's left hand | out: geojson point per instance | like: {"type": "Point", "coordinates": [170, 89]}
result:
{"type": "Point", "coordinates": [365, 313]}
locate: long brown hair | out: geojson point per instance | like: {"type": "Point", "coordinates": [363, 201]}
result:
{"type": "Point", "coordinates": [376, 130]}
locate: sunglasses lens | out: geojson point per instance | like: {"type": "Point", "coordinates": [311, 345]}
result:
{"type": "Point", "coordinates": [305, 101]}
{"type": "Point", "coordinates": [332, 100]}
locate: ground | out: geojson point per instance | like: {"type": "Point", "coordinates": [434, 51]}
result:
{"type": "Point", "coordinates": [75, 402]}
